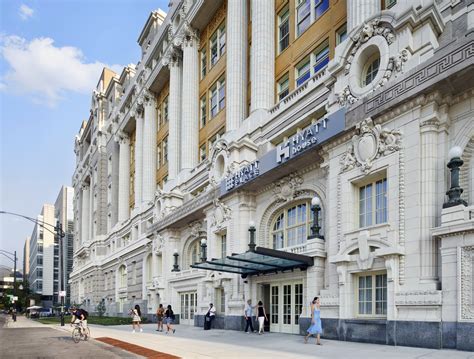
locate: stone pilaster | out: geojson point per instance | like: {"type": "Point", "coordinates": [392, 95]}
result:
{"type": "Point", "coordinates": [236, 84]}
{"type": "Point", "coordinates": [85, 200]}
{"type": "Point", "coordinates": [263, 54]}
{"type": "Point", "coordinates": [124, 179]}
{"type": "Point", "coordinates": [149, 147]}
{"type": "Point", "coordinates": [190, 105]}
{"type": "Point", "coordinates": [429, 209]}
{"type": "Point", "coordinates": [174, 136]}
{"type": "Point", "coordinates": [138, 160]}
{"type": "Point", "coordinates": [358, 11]}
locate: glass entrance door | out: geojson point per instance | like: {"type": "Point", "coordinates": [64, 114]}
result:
{"type": "Point", "coordinates": [286, 304]}
{"type": "Point", "coordinates": [188, 307]}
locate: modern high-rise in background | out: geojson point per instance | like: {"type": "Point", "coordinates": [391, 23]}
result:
{"type": "Point", "coordinates": [44, 250]}
{"type": "Point", "coordinates": [280, 150]}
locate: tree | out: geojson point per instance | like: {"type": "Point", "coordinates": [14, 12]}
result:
{"type": "Point", "coordinates": [101, 308]}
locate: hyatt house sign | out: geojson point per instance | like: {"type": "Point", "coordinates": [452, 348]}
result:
{"type": "Point", "coordinates": [310, 137]}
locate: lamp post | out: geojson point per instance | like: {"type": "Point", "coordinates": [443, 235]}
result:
{"type": "Point", "coordinates": [175, 265]}
{"type": "Point", "coordinates": [455, 191]}
{"type": "Point", "coordinates": [315, 208]}
{"type": "Point", "coordinates": [60, 236]}
{"type": "Point", "coordinates": [14, 259]}
{"type": "Point", "coordinates": [58, 231]}
{"type": "Point", "coordinates": [203, 250]}
{"type": "Point", "coordinates": [252, 244]}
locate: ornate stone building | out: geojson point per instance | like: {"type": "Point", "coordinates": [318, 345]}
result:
{"type": "Point", "coordinates": [280, 150]}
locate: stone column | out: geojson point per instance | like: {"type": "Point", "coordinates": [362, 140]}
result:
{"type": "Point", "coordinates": [428, 205]}
{"type": "Point", "coordinates": [358, 11]}
{"type": "Point", "coordinates": [236, 82]}
{"type": "Point", "coordinates": [85, 213]}
{"type": "Point", "coordinates": [91, 218]}
{"type": "Point", "coordinates": [190, 103]}
{"type": "Point", "coordinates": [138, 159]}
{"type": "Point", "coordinates": [263, 54]}
{"type": "Point", "coordinates": [124, 179]}
{"type": "Point", "coordinates": [174, 137]}
{"type": "Point", "coordinates": [149, 147]}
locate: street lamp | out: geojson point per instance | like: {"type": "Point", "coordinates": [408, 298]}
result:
{"type": "Point", "coordinates": [315, 208]}
{"type": "Point", "coordinates": [252, 230]}
{"type": "Point", "coordinates": [59, 234]}
{"type": "Point", "coordinates": [203, 250]}
{"type": "Point", "coordinates": [454, 164]}
{"type": "Point", "coordinates": [175, 265]}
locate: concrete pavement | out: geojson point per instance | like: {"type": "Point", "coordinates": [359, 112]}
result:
{"type": "Point", "coordinates": [191, 342]}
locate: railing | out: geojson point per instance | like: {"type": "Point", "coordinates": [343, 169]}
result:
{"type": "Point", "coordinates": [297, 249]}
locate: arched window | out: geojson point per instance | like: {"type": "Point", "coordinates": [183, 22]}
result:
{"type": "Point", "coordinates": [194, 252]}
{"type": "Point", "coordinates": [149, 268]}
{"type": "Point", "coordinates": [292, 225]}
{"type": "Point", "coordinates": [122, 279]}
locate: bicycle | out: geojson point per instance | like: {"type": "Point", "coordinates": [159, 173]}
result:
{"type": "Point", "coordinates": [79, 332]}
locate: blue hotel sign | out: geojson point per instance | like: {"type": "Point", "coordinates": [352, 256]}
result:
{"type": "Point", "coordinates": [312, 136]}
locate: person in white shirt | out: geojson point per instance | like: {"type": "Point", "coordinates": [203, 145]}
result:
{"type": "Point", "coordinates": [210, 316]}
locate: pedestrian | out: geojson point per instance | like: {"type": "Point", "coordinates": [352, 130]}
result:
{"type": "Point", "coordinates": [169, 318]}
{"type": "Point", "coordinates": [262, 316]}
{"type": "Point", "coordinates": [316, 327]}
{"type": "Point", "coordinates": [136, 318]}
{"type": "Point", "coordinates": [248, 315]}
{"type": "Point", "coordinates": [159, 316]}
{"type": "Point", "coordinates": [209, 317]}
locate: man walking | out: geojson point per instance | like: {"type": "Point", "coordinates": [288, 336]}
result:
{"type": "Point", "coordinates": [248, 315]}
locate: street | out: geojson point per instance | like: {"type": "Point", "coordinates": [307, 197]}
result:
{"type": "Point", "coordinates": [52, 341]}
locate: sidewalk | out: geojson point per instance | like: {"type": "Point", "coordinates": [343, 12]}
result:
{"type": "Point", "coordinates": [191, 342]}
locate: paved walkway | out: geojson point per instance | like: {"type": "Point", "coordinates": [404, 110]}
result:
{"type": "Point", "coordinates": [190, 342]}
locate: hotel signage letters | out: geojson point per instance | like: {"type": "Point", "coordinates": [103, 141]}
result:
{"type": "Point", "coordinates": [310, 137]}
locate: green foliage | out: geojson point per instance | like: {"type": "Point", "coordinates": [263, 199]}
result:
{"type": "Point", "coordinates": [94, 320]}
{"type": "Point", "coordinates": [101, 308]}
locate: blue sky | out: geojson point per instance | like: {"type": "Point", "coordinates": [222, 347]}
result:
{"type": "Point", "coordinates": [51, 55]}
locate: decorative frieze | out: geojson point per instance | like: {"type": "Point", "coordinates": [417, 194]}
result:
{"type": "Point", "coordinates": [222, 214]}
{"type": "Point", "coordinates": [419, 297]}
{"type": "Point", "coordinates": [287, 188]}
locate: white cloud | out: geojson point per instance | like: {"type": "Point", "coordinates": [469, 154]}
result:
{"type": "Point", "coordinates": [25, 12]}
{"type": "Point", "coordinates": [46, 72]}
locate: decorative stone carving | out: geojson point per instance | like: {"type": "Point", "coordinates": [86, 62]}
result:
{"type": "Point", "coordinates": [219, 170]}
{"type": "Point", "coordinates": [195, 228]}
{"type": "Point", "coordinates": [370, 29]}
{"type": "Point", "coordinates": [365, 259]}
{"type": "Point", "coordinates": [157, 208]}
{"type": "Point", "coordinates": [286, 189]}
{"type": "Point", "coordinates": [345, 97]}
{"type": "Point", "coordinates": [370, 142]}
{"type": "Point", "coordinates": [157, 244]}
{"type": "Point", "coordinates": [467, 283]}
{"type": "Point", "coordinates": [419, 297]}
{"type": "Point", "coordinates": [222, 213]}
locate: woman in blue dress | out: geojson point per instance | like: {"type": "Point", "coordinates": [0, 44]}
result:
{"type": "Point", "coordinates": [315, 328]}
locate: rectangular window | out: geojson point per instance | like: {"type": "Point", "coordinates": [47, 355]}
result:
{"type": "Point", "coordinates": [203, 62]}
{"type": "Point", "coordinates": [217, 97]}
{"type": "Point", "coordinates": [218, 44]}
{"type": "Point", "coordinates": [389, 3]}
{"type": "Point", "coordinates": [373, 206]}
{"type": "Point", "coordinates": [39, 260]}
{"type": "Point", "coordinates": [223, 246]}
{"type": "Point", "coordinates": [220, 300]}
{"type": "Point", "coordinates": [303, 16]}
{"type": "Point", "coordinates": [203, 111]}
{"type": "Point", "coordinates": [202, 152]}
{"type": "Point", "coordinates": [165, 150]}
{"type": "Point", "coordinates": [321, 58]}
{"type": "Point", "coordinates": [303, 72]}
{"type": "Point", "coordinates": [283, 87]}
{"type": "Point", "coordinates": [341, 34]}
{"type": "Point", "coordinates": [165, 109]}
{"type": "Point", "coordinates": [158, 156]}
{"type": "Point", "coordinates": [372, 295]}
{"type": "Point", "coordinates": [320, 7]}
{"type": "Point", "coordinates": [283, 29]}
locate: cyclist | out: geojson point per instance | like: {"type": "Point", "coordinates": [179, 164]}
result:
{"type": "Point", "coordinates": [79, 316]}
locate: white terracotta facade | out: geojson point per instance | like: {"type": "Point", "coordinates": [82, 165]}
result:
{"type": "Point", "coordinates": [396, 132]}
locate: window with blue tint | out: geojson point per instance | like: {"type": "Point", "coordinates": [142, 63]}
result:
{"type": "Point", "coordinates": [291, 226]}
{"type": "Point", "coordinates": [303, 16]}
{"type": "Point", "coordinates": [381, 201]}
{"type": "Point", "coordinates": [303, 72]}
{"type": "Point", "coordinates": [221, 94]}
{"type": "Point", "coordinates": [373, 203]}
{"type": "Point", "coordinates": [321, 59]}
{"type": "Point", "coordinates": [283, 29]}
{"type": "Point", "coordinates": [320, 7]}
{"type": "Point", "coordinates": [214, 108]}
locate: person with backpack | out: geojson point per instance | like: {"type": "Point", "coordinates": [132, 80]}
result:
{"type": "Point", "coordinates": [136, 318]}
{"type": "Point", "coordinates": [159, 317]}
{"type": "Point", "coordinates": [209, 317]}
{"type": "Point", "coordinates": [79, 316]}
{"type": "Point", "coordinates": [169, 318]}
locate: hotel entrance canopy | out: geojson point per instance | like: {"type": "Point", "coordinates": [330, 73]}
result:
{"type": "Point", "coordinates": [260, 261]}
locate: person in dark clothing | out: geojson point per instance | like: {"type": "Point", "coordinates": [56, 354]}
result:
{"type": "Point", "coordinates": [169, 318]}
{"type": "Point", "coordinates": [262, 316]}
{"type": "Point", "coordinates": [209, 317]}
